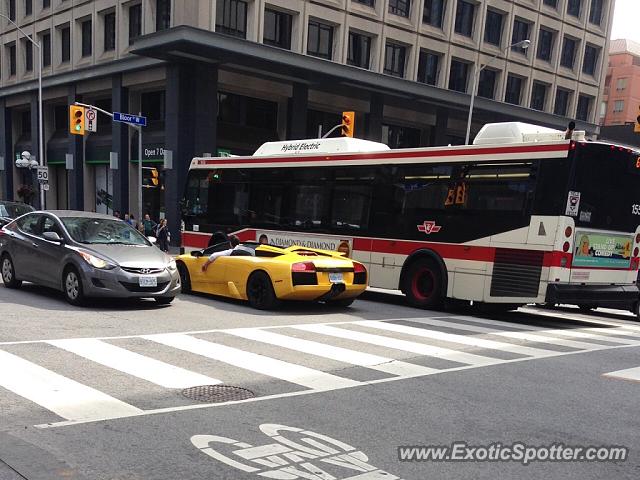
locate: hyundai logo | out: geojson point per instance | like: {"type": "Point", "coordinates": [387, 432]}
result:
{"type": "Point", "coordinates": [145, 270]}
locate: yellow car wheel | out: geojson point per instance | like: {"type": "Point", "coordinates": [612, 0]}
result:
{"type": "Point", "coordinates": [260, 292]}
{"type": "Point", "coordinates": [185, 279]}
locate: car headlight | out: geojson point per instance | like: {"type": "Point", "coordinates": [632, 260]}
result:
{"type": "Point", "coordinates": [96, 262]}
{"type": "Point", "coordinates": [172, 265]}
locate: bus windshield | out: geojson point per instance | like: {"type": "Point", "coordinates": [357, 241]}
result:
{"type": "Point", "coordinates": [607, 179]}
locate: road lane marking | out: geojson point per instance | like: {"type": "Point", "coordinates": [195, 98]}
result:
{"type": "Point", "coordinates": [290, 372]}
{"type": "Point", "coordinates": [61, 395]}
{"type": "Point", "coordinates": [632, 374]}
{"type": "Point", "coordinates": [404, 345]}
{"type": "Point", "coordinates": [344, 355]}
{"type": "Point", "coordinates": [134, 364]}
{"type": "Point", "coordinates": [462, 339]}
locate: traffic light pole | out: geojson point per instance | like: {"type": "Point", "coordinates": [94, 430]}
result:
{"type": "Point", "coordinates": [134, 127]}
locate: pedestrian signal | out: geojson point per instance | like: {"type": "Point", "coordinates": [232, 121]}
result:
{"type": "Point", "coordinates": [348, 121]}
{"type": "Point", "coordinates": [76, 120]}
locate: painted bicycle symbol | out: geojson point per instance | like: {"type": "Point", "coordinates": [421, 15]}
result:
{"type": "Point", "coordinates": [290, 456]}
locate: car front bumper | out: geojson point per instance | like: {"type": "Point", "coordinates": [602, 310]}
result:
{"type": "Point", "coordinates": [119, 283]}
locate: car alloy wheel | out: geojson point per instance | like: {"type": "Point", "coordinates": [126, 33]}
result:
{"type": "Point", "coordinates": [8, 273]}
{"type": "Point", "coordinates": [73, 287]}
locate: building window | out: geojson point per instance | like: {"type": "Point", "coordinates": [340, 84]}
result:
{"type": "Point", "coordinates": [12, 10]}
{"type": "Point", "coordinates": [520, 33]}
{"type": "Point", "coordinates": [46, 4]}
{"type": "Point", "coordinates": [618, 106]}
{"type": "Point", "coordinates": [621, 83]}
{"type": "Point", "coordinates": [277, 28]}
{"type": "Point", "coordinates": [28, 55]}
{"type": "Point", "coordinates": [590, 60]}
{"type": "Point", "coordinates": [86, 38]}
{"type": "Point", "coordinates": [163, 14]}
{"type": "Point", "coordinates": [320, 40]}
{"type": "Point", "coordinates": [584, 105]}
{"type": "Point", "coordinates": [359, 50]}
{"type": "Point", "coordinates": [573, 7]}
{"type": "Point", "coordinates": [46, 49]}
{"type": "Point", "coordinates": [65, 43]}
{"type": "Point", "coordinates": [545, 45]}
{"type": "Point", "coordinates": [11, 49]}
{"type": "Point", "coordinates": [514, 90]}
{"type": "Point", "coordinates": [568, 53]}
{"type": "Point", "coordinates": [394, 56]}
{"type": "Point", "coordinates": [487, 83]}
{"type": "Point", "coordinates": [493, 28]}
{"type": "Point", "coordinates": [562, 102]}
{"type": "Point", "coordinates": [464, 18]}
{"type": "Point", "coordinates": [458, 74]}
{"type": "Point", "coordinates": [595, 12]}
{"type": "Point", "coordinates": [368, 3]}
{"type": "Point", "coordinates": [603, 109]}
{"type": "Point", "coordinates": [400, 7]}
{"type": "Point", "coordinates": [231, 17]}
{"type": "Point", "coordinates": [538, 96]}
{"type": "Point", "coordinates": [135, 22]}
{"type": "Point", "coordinates": [433, 12]}
{"type": "Point", "coordinates": [28, 7]}
{"type": "Point", "coordinates": [109, 31]}
{"type": "Point", "coordinates": [551, 3]}
{"type": "Point", "coordinates": [428, 67]}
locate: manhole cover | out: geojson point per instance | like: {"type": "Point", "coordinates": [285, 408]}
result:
{"type": "Point", "coordinates": [217, 393]}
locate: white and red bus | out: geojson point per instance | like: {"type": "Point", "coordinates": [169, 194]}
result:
{"type": "Point", "coordinates": [522, 216]}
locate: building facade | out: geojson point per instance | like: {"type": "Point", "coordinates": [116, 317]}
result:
{"type": "Point", "coordinates": [223, 76]}
{"type": "Point", "coordinates": [621, 96]}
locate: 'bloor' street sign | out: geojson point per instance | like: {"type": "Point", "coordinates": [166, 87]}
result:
{"type": "Point", "coordinates": [129, 118]}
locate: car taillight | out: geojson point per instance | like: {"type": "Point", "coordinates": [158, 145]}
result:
{"type": "Point", "coordinates": [303, 267]}
{"type": "Point", "coordinates": [359, 268]}
{"type": "Point", "coordinates": [568, 231]}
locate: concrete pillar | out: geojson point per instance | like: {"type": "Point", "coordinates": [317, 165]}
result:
{"type": "Point", "coordinates": [298, 106]}
{"type": "Point", "coordinates": [6, 149]}
{"type": "Point", "coordinates": [120, 145]}
{"type": "Point", "coordinates": [374, 125]}
{"type": "Point", "coordinates": [190, 129]}
{"type": "Point", "coordinates": [440, 131]}
{"type": "Point", "coordinates": [75, 176]}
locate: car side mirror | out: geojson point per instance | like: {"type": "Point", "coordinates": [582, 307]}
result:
{"type": "Point", "coordinates": [196, 253]}
{"type": "Point", "coordinates": [152, 240]}
{"type": "Point", "coordinates": [52, 237]}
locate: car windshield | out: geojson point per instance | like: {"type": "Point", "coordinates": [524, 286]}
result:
{"type": "Point", "coordinates": [13, 210]}
{"type": "Point", "coordinates": [103, 231]}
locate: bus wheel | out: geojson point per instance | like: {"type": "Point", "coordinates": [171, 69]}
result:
{"type": "Point", "coordinates": [423, 284]}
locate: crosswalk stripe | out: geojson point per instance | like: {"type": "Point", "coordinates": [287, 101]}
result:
{"type": "Point", "coordinates": [567, 332]}
{"type": "Point", "coordinates": [462, 339]}
{"type": "Point", "coordinates": [385, 341]}
{"type": "Point", "coordinates": [486, 321]}
{"type": "Point", "coordinates": [628, 374]}
{"type": "Point", "coordinates": [64, 397]}
{"type": "Point", "coordinates": [582, 318]}
{"type": "Point", "coordinates": [134, 364]}
{"type": "Point", "coordinates": [353, 357]}
{"type": "Point", "coordinates": [614, 331]}
{"type": "Point", "coordinates": [533, 336]}
{"type": "Point", "coordinates": [290, 372]}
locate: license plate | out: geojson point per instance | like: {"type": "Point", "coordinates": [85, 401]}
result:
{"type": "Point", "coordinates": [335, 277]}
{"type": "Point", "coordinates": [147, 281]}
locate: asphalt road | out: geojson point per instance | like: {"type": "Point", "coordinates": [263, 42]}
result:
{"type": "Point", "coordinates": [97, 392]}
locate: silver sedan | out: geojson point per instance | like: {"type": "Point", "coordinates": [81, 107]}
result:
{"type": "Point", "coordinates": [85, 255]}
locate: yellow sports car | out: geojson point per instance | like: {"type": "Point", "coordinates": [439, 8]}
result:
{"type": "Point", "coordinates": [264, 274]}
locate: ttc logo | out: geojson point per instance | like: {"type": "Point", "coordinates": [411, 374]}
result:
{"type": "Point", "coordinates": [428, 227]}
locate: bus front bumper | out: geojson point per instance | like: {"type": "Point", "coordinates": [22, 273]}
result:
{"type": "Point", "coordinates": [624, 296]}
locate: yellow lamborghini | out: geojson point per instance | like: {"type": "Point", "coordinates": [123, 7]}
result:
{"type": "Point", "coordinates": [264, 275]}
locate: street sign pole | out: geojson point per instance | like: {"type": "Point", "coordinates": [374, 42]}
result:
{"type": "Point", "coordinates": [140, 217]}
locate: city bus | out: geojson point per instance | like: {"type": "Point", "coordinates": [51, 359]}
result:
{"type": "Point", "coordinates": [524, 215]}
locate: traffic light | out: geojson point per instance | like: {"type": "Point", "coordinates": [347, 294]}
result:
{"type": "Point", "coordinates": [636, 127]}
{"type": "Point", "coordinates": [76, 120]}
{"type": "Point", "coordinates": [348, 123]}
{"type": "Point", "coordinates": [155, 180]}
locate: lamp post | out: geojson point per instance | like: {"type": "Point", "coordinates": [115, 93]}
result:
{"type": "Point", "coordinates": [40, 120]}
{"type": "Point", "coordinates": [524, 44]}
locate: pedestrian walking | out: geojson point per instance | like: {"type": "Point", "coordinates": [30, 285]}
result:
{"type": "Point", "coordinates": [163, 236]}
{"type": "Point", "coordinates": [148, 226]}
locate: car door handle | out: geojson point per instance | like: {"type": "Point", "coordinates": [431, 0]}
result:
{"type": "Point", "coordinates": [35, 244]}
